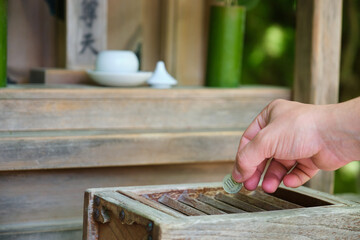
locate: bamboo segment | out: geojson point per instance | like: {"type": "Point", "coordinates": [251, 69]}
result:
{"type": "Point", "coordinates": [3, 42]}
{"type": "Point", "coordinates": [225, 48]}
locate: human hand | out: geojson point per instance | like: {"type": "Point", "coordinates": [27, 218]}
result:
{"type": "Point", "coordinates": [299, 137]}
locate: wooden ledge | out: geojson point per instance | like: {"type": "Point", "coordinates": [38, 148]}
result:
{"type": "Point", "coordinates": [83, 149]}
{"type": "Point", "coordinates": [108, 108]}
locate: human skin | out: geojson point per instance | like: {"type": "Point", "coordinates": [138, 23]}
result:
{"type": "Point", "coordinates": [303, 137]}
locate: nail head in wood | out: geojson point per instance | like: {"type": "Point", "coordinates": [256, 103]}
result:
{"type": "Point", "coordinates": [122, 215]}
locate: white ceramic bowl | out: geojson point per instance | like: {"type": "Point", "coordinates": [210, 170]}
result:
{"type": "Point", "coordinates": [117, 61]}
{"type": "Point", "coordinates": [119, 79]}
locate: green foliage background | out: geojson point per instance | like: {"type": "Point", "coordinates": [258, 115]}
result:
{"type": "Point", "coordinates": [269, 59]}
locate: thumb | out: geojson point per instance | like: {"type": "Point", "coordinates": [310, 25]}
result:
{"type": "Point", "coordinates": [251, 156]}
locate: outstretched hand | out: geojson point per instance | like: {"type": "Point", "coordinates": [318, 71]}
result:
{"type": "Point", "coordinates": [301, 139]}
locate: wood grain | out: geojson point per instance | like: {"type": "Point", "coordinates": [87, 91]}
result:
{"type": "Point", "coordinates": [101, 108]}
{"type": "Point", "coordinates": [219, 205]}
{"type": "Point", "coordinates": [58, 194]}
{"type": "Point", "coordinates": [317, 61]}
{"type": "Point", "coordinates": [199, 205]}
{"type": "Point", "coordinates": [336, 221]}
{"type": "Point", "coordinates": [179, 206]}
{"type": "Point", "coordinates": [237, 203]}
{"type": "Point", "coordinates": [102, 148]}
{"type": "Point", "coordinates": [329, 223]}
{"type": "Point", "coordinates": [257, 202]}
{"type": "Point", "coordinates": [274, 200]}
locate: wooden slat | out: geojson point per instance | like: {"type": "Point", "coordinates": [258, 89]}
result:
{"type": "Point", "coordinates": [274, 200]}
{"type": "Point", "coordinates": [237, 203]}
{"type": "Point", "coordinates": [219, 205]}
{"type": "Point", "coordinates": [50, 194]}
{"type": "Point", "coordinates": [181, 207]}
{"type": "Point", "coordinates": [150, 203]}
{"type": "Point", "coordinates": [199, 205]}
{"type": "Point", "coordinates": [313, 223]}
{"type": "Point", "coordinates": [257, 202]}
{"type": "Point", "coordinates": [99, 108]}
{"type": "Point", "coordinates": [317, 62]}
{"type": "Point", "coordinates": [71, 149]}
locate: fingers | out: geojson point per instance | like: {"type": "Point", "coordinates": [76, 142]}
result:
{"type": "Point", "coordinates": [252, 183]}
{"type": "Point", "coordinates": [302, 173]}
{"type": "Point", "coordinates": [275, 174]}
{"type": "Point", "coordinates": [251, 156]}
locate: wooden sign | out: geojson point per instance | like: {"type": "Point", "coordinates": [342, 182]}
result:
{"type": "Point", "coordinates": [86, 32]}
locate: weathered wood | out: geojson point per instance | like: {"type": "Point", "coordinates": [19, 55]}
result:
{"type": "Point", "coordinates": [150, 203]}
{"type": "Point", "coordinates": [274, 200]}
{"type": "Point", "coordinates": [199, 205]}
{"type": "Point", "coordinates": [57, 229]}
{"type": "Point", "coordinates": [86, 28]}
{"type": "Point", "coordinates": [237, 203]}
{"type": "Point", "coordinates": [45, 195]}
{"type": "Point", "coordinates": [79, 149]}
{"type": "Point", "coordinates": [90, 227]}
{"type": "Point", "coordinates": [317, 61]}
{"type": "Point", "coordinates": [179, 206]}
{"type": "Point", "coordinates": [315, 223]}
{"type": "Point", "coordinates": [101, 108]}
{"type": "Point", "coordinates": [329, 221]}
{"type": "Point", "coordinates": [219, 205]}
{"type": "Point", "coordinates": [257, 202]}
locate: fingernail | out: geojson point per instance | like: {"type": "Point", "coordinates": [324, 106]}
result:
{"type": "Point", "coordinates": [236, 174]}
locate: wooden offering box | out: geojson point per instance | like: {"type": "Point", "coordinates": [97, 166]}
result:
{"type": "Point", "coordinates": [205, 211]}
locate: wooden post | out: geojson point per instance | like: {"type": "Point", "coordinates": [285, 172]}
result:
{"type": "Point", "coordinates": [317, 63]}
{"type": "Point", "coordinates": [86, 32]}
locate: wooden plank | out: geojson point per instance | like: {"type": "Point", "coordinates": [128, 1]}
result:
{"type": "Point", "coordinates": [330, 223]}
{"type": "Point", "coordinates": [151, 34]}
{"type": "Point", "coordinates": [60, 109]}
{"type": "Point", "coordinates": [317, 62]}
{"type": "Point", "coordinates": [257, 202]}
{"type": "Point", "coordinates": [52, 229]}
{"type": "Point", "coordinates": [90, 226]}
{"type": "Point", "coordinates": [274, 200]}
{"type": "Point", "coordinates": [219, 205]}
{"type": "Point", "coordinates": [183, 38]}
{"type": "Point", "coordinates": [199, 205]}
{"type": "Point", "coordinates": [237, 203]}
{"type": "Point", "coordinates": [150, 203]}
{"type": "Point", "coordinates": [59, 76]}
{"type": "Point", "coordinates": [181, 207]}
{"type": "Point", "coordinates": [86, 32]}
{"type": "Point", "coordinates": [46, 195]}
{"type": "Point", "coordinates": [33, 151]}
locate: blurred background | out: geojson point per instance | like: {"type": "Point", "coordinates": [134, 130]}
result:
{"type": "Point", "coordinates": [177, 34]}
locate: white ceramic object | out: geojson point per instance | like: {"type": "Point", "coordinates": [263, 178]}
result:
{"type": "Point", "coordinates": [161, 78]}
{"type": "Point", "coordinates": [119, 79]}
{"type": "Point", "coordinates": [117, 61]}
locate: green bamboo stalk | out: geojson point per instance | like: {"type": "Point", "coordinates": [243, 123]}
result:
{"type": "Point", "coordinates": [225, 47]}
{"type": "Point", "coordinates": [3, 42]}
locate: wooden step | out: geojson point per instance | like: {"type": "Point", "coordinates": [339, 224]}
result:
{"type": "Point", "coordinates": [82, 149]}
{"type": "Point", "coordinates": [29, 109]}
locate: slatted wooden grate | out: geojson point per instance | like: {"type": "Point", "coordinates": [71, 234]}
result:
{"type": "Point", "coordinates": [217, 201]}
{"type": "Point", "coordinates": [206, 211]}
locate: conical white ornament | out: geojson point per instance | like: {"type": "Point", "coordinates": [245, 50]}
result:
{"type": "Point", "coordinates": [161, 78]}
